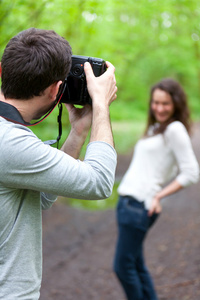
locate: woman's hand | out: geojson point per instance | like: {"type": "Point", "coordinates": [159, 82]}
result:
{"type": "Point", "coordinates": [155, 206]}
{"type": "Point", "coordinates": [170, 189]}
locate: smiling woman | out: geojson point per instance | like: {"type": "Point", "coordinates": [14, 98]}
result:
{"type": "Point", "coordinates": [162, 164]}
{"type": "Point", "coordinates": [162, 106]}
{"type": "Point", "coordinates": [168, 103]}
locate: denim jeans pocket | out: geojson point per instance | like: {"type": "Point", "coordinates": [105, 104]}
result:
{"type": "Point", "coordinates": [132, 215]}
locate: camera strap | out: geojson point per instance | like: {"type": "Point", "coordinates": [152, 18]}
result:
{"type": "Point", "coordinates": [59, 120]}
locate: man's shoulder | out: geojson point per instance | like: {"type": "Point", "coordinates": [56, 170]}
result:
{"type": "Point", "coordinates": [8, 126]}
{"type": "Point", "coordinates": [11, 133]}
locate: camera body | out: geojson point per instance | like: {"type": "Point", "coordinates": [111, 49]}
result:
{"type": "Point", "coordinates": [75, 90]}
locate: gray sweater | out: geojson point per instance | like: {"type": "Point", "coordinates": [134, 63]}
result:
{"type": "Point", "coordinates": [27, 167]}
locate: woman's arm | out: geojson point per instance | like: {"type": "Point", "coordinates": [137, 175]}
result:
{"type": "Point", "coordinates": [180, 144]}
{"type": "Point", "coordinates": [172, 188]}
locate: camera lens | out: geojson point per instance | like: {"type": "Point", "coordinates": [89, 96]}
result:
{"type": "Point", "coordinates": [77, 69]}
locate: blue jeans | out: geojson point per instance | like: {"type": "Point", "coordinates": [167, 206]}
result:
{"type": "Point", "coordinates": [129, 266]}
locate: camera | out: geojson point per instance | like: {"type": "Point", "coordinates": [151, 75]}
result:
{"type": "Point", "coordinates": [75, 86]}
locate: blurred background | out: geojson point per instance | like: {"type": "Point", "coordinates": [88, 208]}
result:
{"type": "Point", "coordinates": [146, 40]}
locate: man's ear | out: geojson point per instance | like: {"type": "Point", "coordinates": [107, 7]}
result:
{"type": "Point", "coordinates": [55, 88]}
{"type": "Point", "coordinates": [0, 69]}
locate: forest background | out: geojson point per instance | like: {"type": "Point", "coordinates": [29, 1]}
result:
{"type": "Point", "coordinates": [146, 40]}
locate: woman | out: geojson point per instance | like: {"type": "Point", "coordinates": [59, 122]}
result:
{"type": "Point", "coordinates": [164, 153]}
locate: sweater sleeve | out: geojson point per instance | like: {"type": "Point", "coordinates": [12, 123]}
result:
{"type": "Point", "coordinates": [27, 163]}
{"type": "Point", "coordinates": [181, 147]}
{"type": "Point", "coordinates": [47, 200]}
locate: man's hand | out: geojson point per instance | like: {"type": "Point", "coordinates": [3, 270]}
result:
{"type": "Point", "coordinates": [80, 119]}
{"type": "Point", "coordinates": [102, 89]}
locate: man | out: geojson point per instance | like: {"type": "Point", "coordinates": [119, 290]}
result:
{"type": "Point", "coordinates": [33, 66]}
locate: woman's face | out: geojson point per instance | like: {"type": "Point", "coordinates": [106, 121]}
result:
{"type": "Point", "coordinates": [162, 106]}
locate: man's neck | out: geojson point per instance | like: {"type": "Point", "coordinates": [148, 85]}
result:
{"type": "Point", "coordinates": [23, 107]}
{"type": "Point", "coordinates": [28, 109]}
{"type": "Point", "coordinates": [37, 106]}
{"type": "Point", "coordinates": [10, 113]}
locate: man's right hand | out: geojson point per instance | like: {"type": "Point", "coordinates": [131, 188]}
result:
{"type": "Point", "coordinates": [102, 88]}
{"type": "Point", "coordinates": [103, 91]}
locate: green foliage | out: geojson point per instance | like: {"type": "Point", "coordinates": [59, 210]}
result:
{"type": "Point", "coordinates": [126, 134]}
{"type": "Point", "coordinates": [145, 40]}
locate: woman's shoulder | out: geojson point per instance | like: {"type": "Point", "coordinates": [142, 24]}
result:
{"type": "Point", "coordinates": [176, 130]}
{"type": "Point", "coordinates": [176, 126]}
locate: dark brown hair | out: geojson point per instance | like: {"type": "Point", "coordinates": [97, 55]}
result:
{"type": "Point", "coordinates": [179, 98]}
{"type": "Point", "coordinates": [33, 60]}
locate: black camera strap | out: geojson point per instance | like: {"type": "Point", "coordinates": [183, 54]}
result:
{"type": "Point", "coordinates": [59, 120]}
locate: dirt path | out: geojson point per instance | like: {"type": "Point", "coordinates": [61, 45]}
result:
{"type": "Point", "coordinates": [79, 247]}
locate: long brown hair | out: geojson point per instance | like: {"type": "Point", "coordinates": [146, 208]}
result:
{"type": "Point", "coordinates": [179, 98]}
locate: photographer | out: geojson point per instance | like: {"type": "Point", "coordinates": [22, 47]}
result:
{"type": "Point", "coordinates": [33, 66]}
